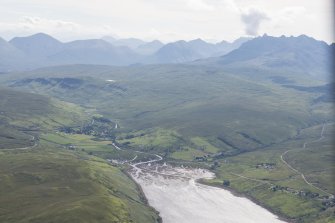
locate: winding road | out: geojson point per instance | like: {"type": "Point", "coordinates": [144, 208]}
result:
{"type": "Point", "coordinates": [159, 158]}
{"type": "Point", "coordinates": [138, 169]}
{"type": "Point", "coordinates": [27, 147]}
{"type": "Point", "coordinates": [282, 157]}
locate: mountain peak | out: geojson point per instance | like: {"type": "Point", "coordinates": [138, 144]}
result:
{"type": "Point", "coordinates": [3, 41]}
{"type": "Point", "coordinates": [301, 54]}
{"type": "Point", "coordinates": [199, 40]}
{"type": "Point", "coordinates": [156, 42]}
{"type": "Point", "coordinates": [35, 37]}
{"type": "Point", "coordinates": [39, 44]}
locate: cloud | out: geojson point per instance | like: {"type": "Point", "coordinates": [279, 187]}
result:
{"type": "Point", "coordinates": [289, 14]}
{"type": "Point", "coordinates": [252, 19]}
{"type": "Point", "coordinates": [58, 28]}
{"type": "Point", "coordinates": [199, 5]}
{"type": "Point", "coordinates": [37, 23]}
{"type": "Point", "coordinates": [230, 5]}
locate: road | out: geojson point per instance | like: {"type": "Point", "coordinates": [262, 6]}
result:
{"type": "Point", "coordinates": [158, 158]}
{"type": "Point", "coordinates": [282, 157]}
{"type": "Point", "coordinates": [25, 148]}
{"type": "Point", "coordinates": [138, 169]}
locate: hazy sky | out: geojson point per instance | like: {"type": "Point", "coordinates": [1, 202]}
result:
{"type": "Point", "coordinates": [167, 20]}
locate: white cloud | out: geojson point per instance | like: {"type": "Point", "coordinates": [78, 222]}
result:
{"type": "Point", "coordinates": [37, 23]}
{"type": "Point", "coordinates": [199, 5]}
{"type": "Point", "coordinates": [252, 19]}
{"type": "Point", "coordinates": [58, 28]}
{"type": "Point", "coordinates": [289, 14]}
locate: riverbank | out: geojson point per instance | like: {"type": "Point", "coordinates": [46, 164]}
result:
{"type": "Point", "coordinates": [238, 194]}
{"type": "Point", "coordinates": [141, 193]}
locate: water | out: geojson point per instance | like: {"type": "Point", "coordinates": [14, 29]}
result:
{"type": "Point", "coordinates": [179, 199]}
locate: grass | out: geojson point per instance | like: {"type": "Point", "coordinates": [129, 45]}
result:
{"type": "Point", "coordinates": [159, 138]}
{"type": "Point", "coordinates": [204, 144]}
{"type": "Point", "coordinates": [191, 100]}
{"type": "Point", "coordinates": [50, 182]}
{"type": "Point", "coordinates": [89, 145]}
{"type": "Point", "coordinates": [188, 154]}
{"type": "Point", "coordinates": [44, 185]}
{"type": "Point", "coordinates": [316, 162]}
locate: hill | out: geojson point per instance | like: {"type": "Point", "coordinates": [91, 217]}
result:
{"type": "Point", "coordinates": [190, 100]}
{"type": "Point", "coordinates": [47, 182]}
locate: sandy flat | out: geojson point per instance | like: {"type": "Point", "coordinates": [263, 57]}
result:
{"type": "Point", "coordinates": [182, 200]}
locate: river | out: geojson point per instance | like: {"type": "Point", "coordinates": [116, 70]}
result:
{"type": "Point", "coordinates": [175, 194]}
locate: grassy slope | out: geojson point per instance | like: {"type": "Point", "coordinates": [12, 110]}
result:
{"type": "Point", "coordinates": [45, 185]}
{"type": "Point", "coordinates": [48, 183]}
{"type": "Point", "coordinates": [316, 162]}
{"type": "Point", "coordinates": [23, 115]}
{"type": "Point", "coordinates": [195, 101]}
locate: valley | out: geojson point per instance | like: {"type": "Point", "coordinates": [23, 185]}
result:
{"type": "Point", "coordinates": [91, 134]}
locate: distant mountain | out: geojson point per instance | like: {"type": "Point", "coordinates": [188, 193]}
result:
{"type": "Point", "coordinates": [177, 52]}
{"type": "Point", "coordinates": [182, 51]}
{"type": "Point", "coordinates": [139, 46]}
{"type": "Point", "coordinates": [131, 43]}
{"type": "Point", "coordinates": [262, 55]}
{"type": "Point", "coordinates": [225, 47]}
{"type": "Point", "coordinates": [109, 39]}
{"type": "Point", "coordinates": [94, 51]}
{"type": "Point", "coordinates": [38, 45]}
{"type": "Point", "coordinates": [150, 47]}
{"type": "Point", "coordinates": [11, 57]}
{"type": "Point", "coordinates": [40, 50]}
{"type": "Point", "coordinates": [300, 54]}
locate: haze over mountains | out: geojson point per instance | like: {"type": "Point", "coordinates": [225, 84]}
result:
{"type": "Point", "coordinates": [22, 53]}
{"type": "Point", "coordinates": [267, 54]}
{"type": "Point", "coordinates": [294, 54]}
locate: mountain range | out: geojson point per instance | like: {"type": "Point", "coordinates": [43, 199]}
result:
{"type": "Point", "coordinates": [262, 54]}
{"type": "Point", "coordinates": [300, 55]}
{"type": "Point", "coordinates": [22, 53]}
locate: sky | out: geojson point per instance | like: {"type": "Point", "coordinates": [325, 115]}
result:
{"type": "Point", "coordinates": [167, 20]}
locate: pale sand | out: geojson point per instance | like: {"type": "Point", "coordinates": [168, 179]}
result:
{"type": "Point", "coordinates": [181, 200]}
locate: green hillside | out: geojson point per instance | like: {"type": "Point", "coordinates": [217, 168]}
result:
{"type": "Point", "coordinates": [44, 182]}
{"type": "Point", "coordinates": [236, 112]}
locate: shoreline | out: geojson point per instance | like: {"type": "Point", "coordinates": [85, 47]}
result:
{"type": "Point", "coordinates": [234, 192]}
{"type": "Point", "coordinates": [231, 190]}
{"type": "Point", "coordinates": [143, 198]}
{"type": "Point", "coordinates": [243, 195]}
